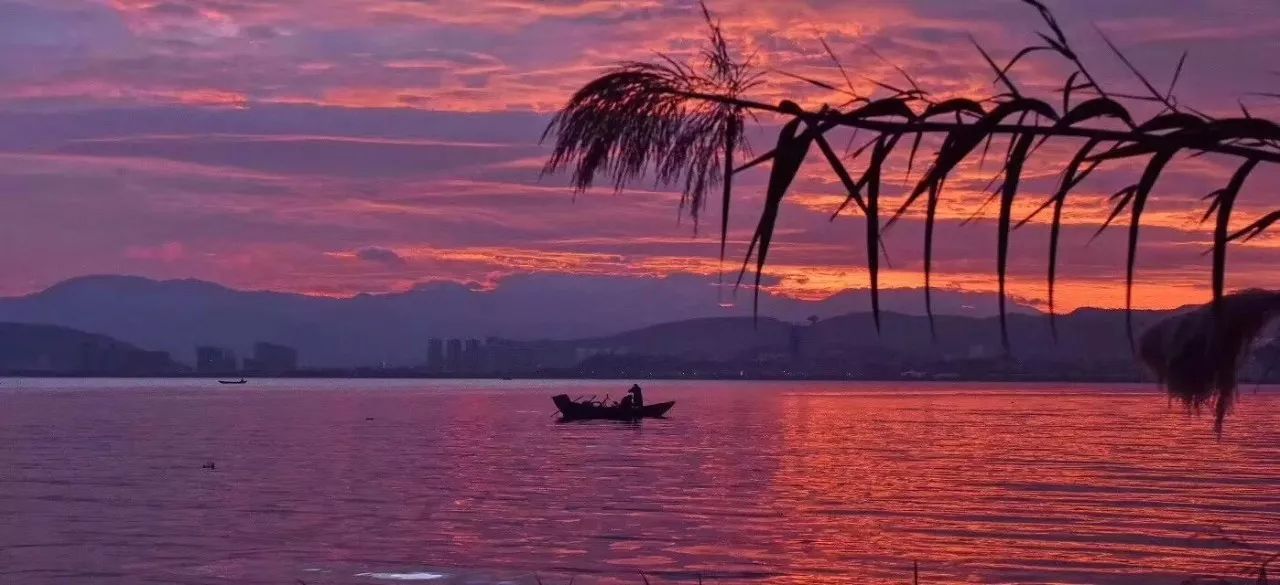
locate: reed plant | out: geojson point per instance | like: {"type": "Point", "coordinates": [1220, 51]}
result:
{"type": "Point", "coordinates": [683, 124]}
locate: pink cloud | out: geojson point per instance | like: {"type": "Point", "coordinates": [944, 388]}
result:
{"type": "Point", "coordinates": [303, 146]}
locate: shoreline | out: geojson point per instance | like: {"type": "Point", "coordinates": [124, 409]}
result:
{"type": "Point", "coordinates": [397, 375]}
{"type": "Point", "coordinates": [251, 378]}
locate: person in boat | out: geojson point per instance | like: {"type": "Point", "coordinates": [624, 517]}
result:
{"type": "Point", "coordinates": [636, 396]}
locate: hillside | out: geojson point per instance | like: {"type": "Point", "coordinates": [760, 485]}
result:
{"type": "Point", "coordinates": [1084, 334]}
{"type": "Point", "coordinates": [28, 348]}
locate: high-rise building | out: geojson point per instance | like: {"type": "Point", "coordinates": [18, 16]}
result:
{"type": "Point", "coordinates": [272, 358]}
{"type": "Point", "coordinates": [453, 360]}
{"type": "Point", "coordinates": [147, 362]}
{"type": "Point", "coordinates": [473, 356]}
{"type": "Point", "coordinates": [215, 360]}
{"type": "Point", "coordinates": [435, 354]}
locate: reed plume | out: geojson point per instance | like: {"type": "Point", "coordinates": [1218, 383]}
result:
{"type": "Point", "coordinates": [1196, 355]}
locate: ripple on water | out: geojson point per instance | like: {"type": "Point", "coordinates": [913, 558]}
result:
{"type": "Point", "coordinates": [460, 482]}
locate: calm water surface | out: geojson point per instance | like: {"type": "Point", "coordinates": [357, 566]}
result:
{"type": "Point", "coordinates": [772, 483]}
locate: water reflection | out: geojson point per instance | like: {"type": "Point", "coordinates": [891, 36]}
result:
{"type": "Point", "coordinates": [473, 482]}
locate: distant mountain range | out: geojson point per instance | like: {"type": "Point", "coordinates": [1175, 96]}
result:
{"type": "Point", "coordinates": [177, 315]}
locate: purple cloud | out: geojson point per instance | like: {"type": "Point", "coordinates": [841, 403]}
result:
{"type": "Point", "coordinates": [380, 256]}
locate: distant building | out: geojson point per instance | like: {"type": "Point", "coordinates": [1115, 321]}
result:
{"type": "Point", "coordinates": [147, 362]}
{"type": "Point", "coordinates": [473, 358]}
{"type": "Point", "coordinates": [215, 360]}
{"type": "Point", "coordinates": [118, 359]}
{"type": "Point", "coordinates": [453, 359]}
{"type": "Point", "coordinates": [272, 358]}
{"type": "Point", "coordinates": [509, 356]}
{"type": "Point", "coordinates": [584, 353]}
{"type": "Point", "coordinates": [435, 354]}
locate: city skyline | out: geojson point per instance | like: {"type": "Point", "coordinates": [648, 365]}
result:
{"type": "Point", "coordinates": [725, 348]}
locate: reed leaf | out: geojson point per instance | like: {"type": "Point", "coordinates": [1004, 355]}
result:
{"type": "Point", "coordinates": [894, 106]}
{"type": "Point", "coordinates": [1072, 177]}
{"type": "Point", "coordinates": [986, 148]}
{"type": "Point", "coordinates": [1140, 195]}
{"type": "Point", "coordinates": [1122, 198]}
{"type": "Point", "coordinates": [930, 213]}
{"type": "Point", "coordinates": [1224, 202]}
{"type": "Point", "coordinates": [884, 145]}
{"type": "Point", "coordinates": [1013, 172]}
{"type": "Point", "coordinates": [840, 67]}
{"type": "Point", "coordinates": [1023, 53]}
{"type": "Point", "coordinates": [959, 143]}
{"type": "Point", "coordinates": [852, 188]}
{"type": "Point", "coordinates": [1177, 73]}
{"type": "Point", "coordinates": [792, 149]}
{"type": "Point", "coordinates": [1096, 108]}
{"type": "Point", "coordinates": [911, 157]}
{"type": "Point", "coordinates": [916, 91]}
{"type": "Point", "coordinates": [1214, 198]}
{"type": "Point", "coordinates": [963, 139]}
{"type": "Point", "coordinates": [1256, 228]}
{"type": "Point", "coordinates": [1155, 94]}
{"type": "Point", "coordinates": [953, 106]}
{"type": "Point", "coordinates": [730, 144]}
{"type": "Point", "coordinates": [1068, 87]}
{"type": "Point", "coordinates": [1000, 74]}
{"type": "Point", "coordinates": [812, 81]}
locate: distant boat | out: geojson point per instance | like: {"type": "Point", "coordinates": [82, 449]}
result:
{"type": "Point", "coordinates": [240, 381]}
{"type": "Point", "coordinates": [570, 410]}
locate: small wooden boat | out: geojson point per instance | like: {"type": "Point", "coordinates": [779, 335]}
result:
{"type": "Point", "coordinates": [570, 410]}
{"type": "Point", "coordinates": [240, 381]}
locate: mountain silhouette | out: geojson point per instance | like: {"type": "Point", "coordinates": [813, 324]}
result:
{"type": "Point", "coordinates": [393, 328]}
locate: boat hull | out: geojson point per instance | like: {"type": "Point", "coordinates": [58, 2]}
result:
{"type": "Point", "coordinates": [570, 410]}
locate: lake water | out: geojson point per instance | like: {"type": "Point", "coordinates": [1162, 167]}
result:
{"type": "Point", "coordinates": [366, 482]}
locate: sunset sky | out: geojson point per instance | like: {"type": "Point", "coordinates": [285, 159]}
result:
{"type": "Point", "coordinates": [343, 146]}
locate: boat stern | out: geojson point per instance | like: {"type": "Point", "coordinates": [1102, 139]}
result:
{"type": "Point", "coordinates": [563, 402]}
